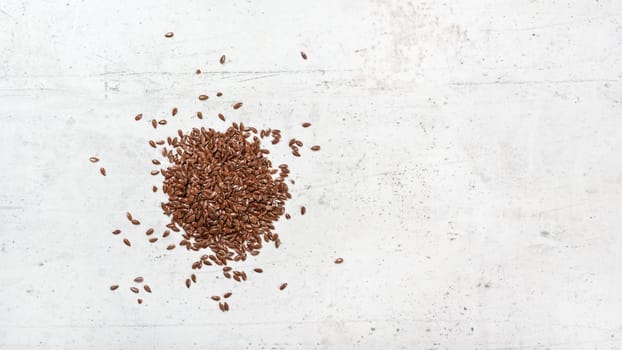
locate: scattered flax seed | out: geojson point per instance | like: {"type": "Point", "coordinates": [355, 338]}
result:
{"type": "Point", "coordinates": [227, 269]}
{"type": "Point", "coordinates": [147, 288]}
{"type": "Point", "coordinates": [138, 117]}
{"type": "Point", "coordinates": [188, 282]}
{"type": "Point", "coordinates": [154, 188]}
{"type": "Point", "coordinates": [226, 306]}
{"type": "Point", "coordinates": [218, 94]}
{"type": "Point", "coordinates": [154, 123]}
{"type": "Point", "coordinates": [199, 115]}
{"type": "Point", "coordinates": [129, 216]}
{"type": "Point", "coordinates": [134, 289]}
{"type": "Point", "coordinates": [152, 144]}
{"type": "Point", "coordinates": [227, 295]}
{"type": "Point", "coordinates": [222, 59]}
{"type": "Point", "coordinates": [102, 171]}
{"type": "Point", "coordinates": [149, 232]}
{"type": "Point", "coordinates": [215, 297]}
{"type": "Point", "coordinates": [237, 105]}
{"type": "Point", "coordinates": [170, 247]}
{"type": "Point", "coordinates": [114, 287]}
{"type": "Point", "coordinates": [221, 306]}
{"type": "Point", "coordinates": [153, 240]}
{"type": "Point", "coordinates": [116, 232]}
{"type": "Point", "coordinates": [283, 286]}
{"type": "Point", "coordinates": [174, 111]}
{"type": "Point", "coordinates": [139, 301]}
{"type": "Point", "coordinates": [155, 162]}
{"type": "Point", "coordinates": [127, 242]}
{"type": "Point", "coordinates": [155, 172]}
{"type": "Point", "coordinates": [197, 72]}
{"type": "Point", "coordinates": [306, 125]}
{"type": "Point", "coordinates": [287, 216]}
{"type": "Point", "coordinates": [222, 117]}
{"type": "Point", "coordinates": [169, 34]}
{"type": "Point", "coordinates": [139, 279]}
{"type": "Point", "coordinates": [315, 148]}
{"type": "Point", "coordinates": [338, 260]}
{"type": "Point", "coordinates": [135, 222]}
{"type": "Point", "coordinates": [94, 159]}
{"type": "Point", "coordinates": [160, 142]}
{"type": "Point", "coordinates": [166, 233]}
{"type": "Point", "coordinates": [193, 277]}
{"type": "Point", "coordinates": [162, 122]}
{"type": "Point", "coordinates": [304, 55]}
{"type": "Point", "coordinates": [303, 210]}
{"type": "Point", "coordinates": [203, 97]}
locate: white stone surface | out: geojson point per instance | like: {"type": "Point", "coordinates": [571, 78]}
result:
{"type": "Point", "coordinates": [470, 172]}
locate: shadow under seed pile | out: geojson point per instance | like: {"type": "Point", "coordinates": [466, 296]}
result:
{"type": "Point", "coordinates": [222, 193]}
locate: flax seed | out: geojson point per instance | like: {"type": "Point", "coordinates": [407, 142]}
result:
{"type": "Point", "coordinates": [215, 297]}
{"type": "Point", "coordinates": [162, 122]}
{"type": "Point", "coordinates": [134, 289]}
{"type": "Point", "coordinates": [338, 260]}
{"type": "Point", "coordinates": [116, 232]}
{"type": "Point", "coordinates": [304, 55]}
{"type": "Point", "coordinates": [169, 34]}
{"type": "Point", "coordinates": [306, 125]}
{"type": "Point", "coordinates": [237, 105]}
{"type": "Point", "coordinates": [222, 59]}
{"type": "Point", "coordinates": [147, 288]}
{"type": "Point", "coordinates": [94, 159]}
{"type": "Point", "coordinates": [153, 239]}
{"type": "Point", "coordinates": [139, 279]}
{"type": "Point", "coordinates": [138, 117]}
{"type": "Point", "coordinates": [114, 287]}
{"type": "Point", "coordinates": [222, 117]}
{"type": "Point", "coordinates": [303, 210]}
{"type": "Point", "coordinates": [170, 247]}
{"type": "Point", "coordinates": [127, 242]}
{"type": "Point", "coordinates": [315, 148]}
{"type": "Point", "coordinates": [154, 123]}
{"type": "Point", "coordinates": [203, 97]}
{"type": "Point", "coordinates": [102, 171]}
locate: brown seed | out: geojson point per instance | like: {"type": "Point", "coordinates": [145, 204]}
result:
{"type": "Point", "coordinates": [222, 59]}
{"type": "Point", "coordinates": [170, 247]}
{"type": "Point", "coordinates": [155, 172]}
{"type": "Point", "coordinates": [127, 242]}
{"type": "Point", "coordinates": [222, 117]}
{"type": "Point", "coordinates": [174, 111]}
{"type": "Point", "coordinates": [116, 232]}
{"type": "Point", "coordinates": [237, 278]}
{"type": "Point", "coordinates": [94, 159]}
{"type": "Point", "coordinates": [298, 143]}
{"type": "Point", "coordinates": [129, 216]}
{"type": "Point", "coordinates": [153, 239]}
{"type": "Point", "coordinates": [169, 34]}
{"type": "Point", "coordinates": [188, 282]}
{"type": "Point", "coordinates": [226, 306]}
{"type": "Point", "coordinates": [215, 297]}
{"type": "Point", "coordinates": [287, 216]}
{"type": "Point", "coordinates": [139, 279]}
{"type": "Point", "coordinates": [303, 210]}
{"type": "Point", "coordinates": [221, 306]}
{"type": "Point", "coordinates": [304, 55]}
{"type": "Point", "coordinates": [203, 97]}
{"type": "Point", "coordinates": [154, 189]}
{"type": "Point", "coordinates": [147, 288]}
{"type": "Point", "coordinates": [227, 275]}
{"type": "Point", "coordinates": [258, 270]}
{"type": "Point", "coordinates": [227, 295]}
{"type": "Point", "coordinates": [316, 148]}
{"type": "Point", "coordinates": [237, 105]}
{"type": "Point", "coordinates": [155, 162]}
{"type": "Point", "coordinates": [227, 269]}
{"type": "Point", "coordinates": [306, 125]}
{"type": "Point", "coordinates": [135, 222]}
{"type": "Point", "coordinates": [139, 301]}
{"type": "Point", "coordinates": [154, 123]}
{"type": "Point", "coordinates": [162, 122]}
{"type": "Point", "coordinates": [166, 233]}
{"type": "Point", "coordinates": [152, 144]}
{"type": "Point", "coordinates": [338, 260]}
{"type": "Point", "coordinates": [199, 115]}
{"type": "Point", "coordinates": [138, 117]}
{"type": "Point", "coordinates": [103, 171]}
{"type": "Point", "coordinates": [193, 277]}
{"type": "Point", "coordinates": [197, 72]}
{"type": "Point", "coordinates": [114, 287]}
{"type": "Point", "coordinates": [149, 232]}
{"type": "Point", "coordinates": [283, 286]}
{"type": "Point", "coordinates": [134, 289]}
{"type": "Point", "coordinates": [219, 94]}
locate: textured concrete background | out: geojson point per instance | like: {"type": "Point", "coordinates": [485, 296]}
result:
{"type": "Point", "coordinates": [470, 174]}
